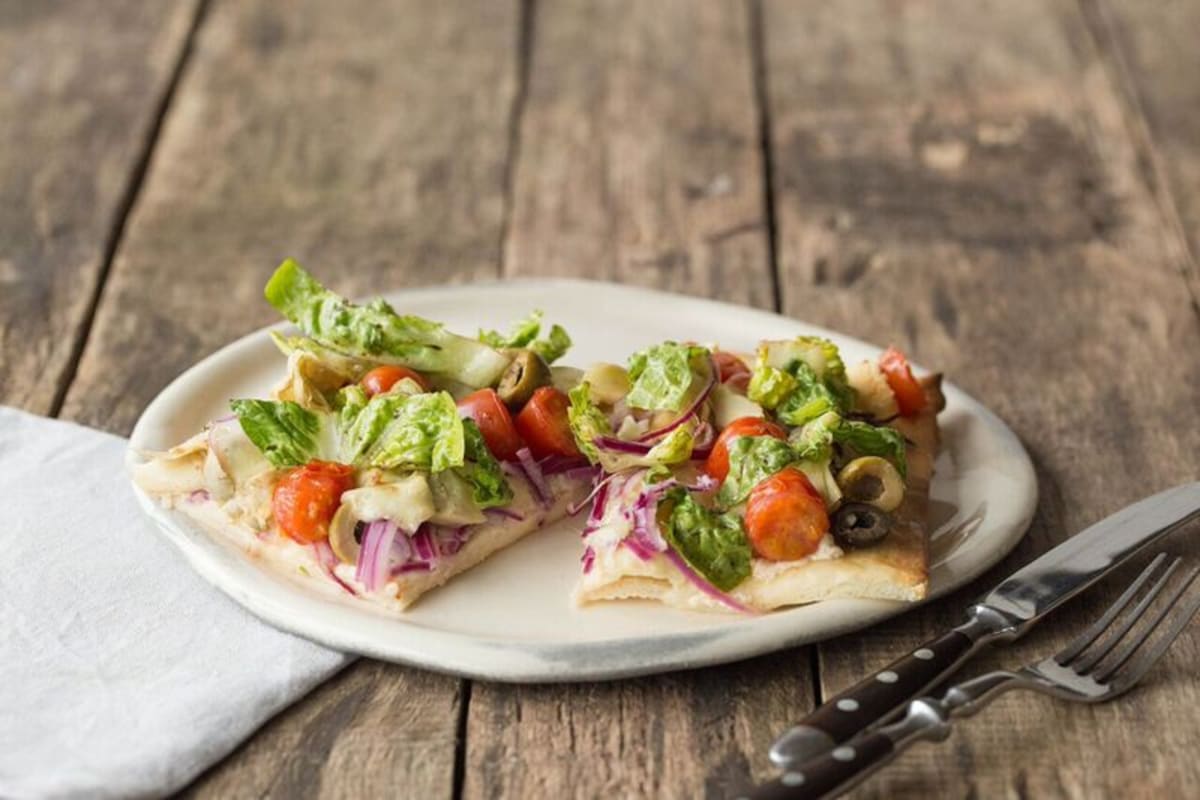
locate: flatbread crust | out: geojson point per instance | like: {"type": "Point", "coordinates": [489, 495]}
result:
{"type": "Point", "coordinates": [172, 480]}
{"type": "Point", "coordinates": [895, 569]}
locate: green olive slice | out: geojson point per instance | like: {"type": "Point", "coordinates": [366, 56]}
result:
{"type": "Point", "coordinates": [525, 374]}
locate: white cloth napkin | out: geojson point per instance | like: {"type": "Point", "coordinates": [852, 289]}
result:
{"type": "Point", "coordinates": [122, 673]}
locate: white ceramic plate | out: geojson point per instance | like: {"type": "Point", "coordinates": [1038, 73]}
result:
{"type": "Point", "coordinates": [511, 618]}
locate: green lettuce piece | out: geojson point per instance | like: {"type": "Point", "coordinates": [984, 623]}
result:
{"type": "Point", "coordinates": [377, 333]}
{"type": "Point", "coordinates": [362, 421]}
{"type": "Point", "coordinates": [712, 543]}
{"type": "Point", "coordinates": [422, 431]}
{"type": "Point", "coordinates": [769, 387]}
{"type": "Point", "coordinates": [814, 441]}
{"type": "Point", "coordinates": [752, 459]}
{"type": "Point", "coordinates": [554, 346]}
{"type": "Point", "coordinates": [287, 433]}
{"type": "Point", "coordinates": [489, 486]}
{"type": "Point", "coordinates": [864, 439]}
{"type": "Point", "coordinates": [524, 333]}
{"type": "Point", "coordinates": [587, 420]}
{"type": "Point", "coordinates": [821, 477]}
{"type": "Point", "coordinates": [800, 379]}
{"type": "Point", "coordinates": [808, 400]}
{"type": "Point", "coordinates": [662, 377]}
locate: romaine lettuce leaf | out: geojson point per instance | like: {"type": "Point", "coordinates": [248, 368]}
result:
{"type": "Point", "coordinates": [377, 333]}
{"type": "Point", "coordinates": [554, 346]}
{"type": "Point", "coordinates": [800, 379]}
{"type": "Point", "coordinates": [752, 459]}
{"type": "Point", "coordinates": [482, 470]}
{"type": "Point", "coordinates": [863, 439]}
{"type": "Point", "coordinates": [524, 334]}
{"type": "Point", "coordinates": [287, 433]}
{"type": "Point", "coordinates": [587, 420]}
{"type": "Point", "coordinates": [814, 440]}
{"type": "Point", "coordinates": [663, 376]}
{"type": "Point", "coordinates": [421, 431]}
{"type": "Point", "coordinates": [713, 544]}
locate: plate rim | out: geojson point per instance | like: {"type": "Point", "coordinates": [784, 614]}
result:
{"type": "Point", "coordinates": [471, 656]}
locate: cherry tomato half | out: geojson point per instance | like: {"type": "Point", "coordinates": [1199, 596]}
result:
{"type": "Point", "coordinates": [717, 464]}
{"type": "Point", "coordinates": [910, 397]}
{"type": "Point", "coordinates": [494, 421]}
{"type": "Point", "coordinates": [785, 516]}
{"type": "Point", "coordinates": [382, 379]}
{"type": "Point", "coordinates": [730, 368]}
{"type": "Point", "coordinates": [305, 500]}
{"type": "Point", "coordinates": [543, 424]}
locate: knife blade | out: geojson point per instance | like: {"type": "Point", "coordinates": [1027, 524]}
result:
{"type": "Point", "coordinates": [1003, 614]}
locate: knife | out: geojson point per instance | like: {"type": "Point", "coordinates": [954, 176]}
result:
{"type": "Point", "coordinates": [1005, 613]}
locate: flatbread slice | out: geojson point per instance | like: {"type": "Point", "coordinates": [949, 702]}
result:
{"type": "Point", "coordinates": [894, 569]}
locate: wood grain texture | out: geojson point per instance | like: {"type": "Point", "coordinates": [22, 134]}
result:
{"type": "Point", "coordinates": [368, 146]}
{"type": "Point", "coordinates": [369, 141]}
{"type": "Point", "coordinates": [961, 180]}
{"type": "Point", "coordinates": [80, 86]}
{"type": "Point", "coordinates": [637, 156]}
{"type": "Point", "coordinates": [639, 161]}
{"type": "Point", "coordinates": [1150, 48]}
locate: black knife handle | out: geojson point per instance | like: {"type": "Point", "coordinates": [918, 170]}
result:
{"type": "Point", "coordinates": [830, 774]}
{"type": "Point", "coordinates": [874, 698]}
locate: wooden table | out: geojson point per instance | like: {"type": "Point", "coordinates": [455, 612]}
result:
{"type": "Point", "coordinates": [1009, 190]}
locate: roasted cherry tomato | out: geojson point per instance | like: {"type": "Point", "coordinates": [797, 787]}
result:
{"type": "Point", "coordinates": [382, 379]}
{"type": "Point", "coordinates": [543, 424]}
{"type": "Point", "coordinates": [731, 369]}
{"type": "Point", "coordinates": [494, 421]}
{"type": "Point", "coordinates": [305, 500]}
{"type": "Point", "coordinates": [910, 397]}
{"type": "Point", "coordinates": [717, 464]}
{"type": "Point", "coordinates": [785, 516]}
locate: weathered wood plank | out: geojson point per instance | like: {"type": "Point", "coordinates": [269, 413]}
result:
{"type": "Point", "coordinates": [1151, 48]}
{"type": "Point", "coordinates": [369, 140]}
{"type": "Point", "coordinates": [637, 157]}
{"type": "Point", "coordinates": [960, 179]}
{"type": "Point", "coordinates": [82, 84]}
{"type": "Point", "coordinates": [638, 160]}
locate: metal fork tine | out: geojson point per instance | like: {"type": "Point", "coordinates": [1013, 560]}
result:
{"type": "Point", "coordinates": [1092, 658]}
{"type": "Point", "coordinates": [1174, 631]}
{"type": "Point", "coordinates": [1072, 651]}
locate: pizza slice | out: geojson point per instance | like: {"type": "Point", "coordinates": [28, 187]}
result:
{"type": "Point", "coordinates": [393, 455]}
{"type": "Point", "coordinates": [732, 483]}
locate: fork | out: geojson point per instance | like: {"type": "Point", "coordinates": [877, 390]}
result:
{"type": "Point", "coordinates": [1086, 671]}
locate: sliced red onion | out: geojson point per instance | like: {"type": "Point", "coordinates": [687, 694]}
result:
{"type": "Point", "coordinates": [638, 549]}
{"type": "Point", "coordinates": [614, 445]}
{"type": "Point", "coordinates": [536, 479]}
{"type": "Point", "coordinates": [424, 544]}
{"type": "Point", "coordinates": [327, 561]}
{"type": "Point", "coordinates": [198, 496]}
{"type": "Point", "coordinates": [704, 586]}
{"type": "Point", "coordinates": [597, 488]}
{"type": "Point", "coordinates": [588, 560]}
{"type": "Point", "coordinates": [413, 566]}
{"type": "Point", "coordinates": [504, 513]}
{"type": "Point", "coordinates": [603, 490]}
{"type": "Point", "coordinates": [402, 549]}
{"type": "Point", "coordinates": [579, 473]}
{"type": "Point", "coordinates": [553, 465]}
{"type": "Point", "coordinates": [375, 554]}
{"type": "Point", "coordinates": [366, 552]}
{"type": "Point", "coordinates": [688, 412]}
